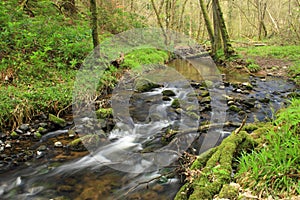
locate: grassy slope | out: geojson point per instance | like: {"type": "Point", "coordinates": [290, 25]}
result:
{"type": "Point", "coordinates": [289, 53]}
{"type": "Point", "coordinates": [43, 53]}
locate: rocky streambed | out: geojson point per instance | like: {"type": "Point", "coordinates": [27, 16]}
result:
{"type": "Point", "coordinates": [48, 158]}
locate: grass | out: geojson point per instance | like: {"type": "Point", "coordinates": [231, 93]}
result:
{"type": "Point", "coordinates": [289, 53]}
{"type": "Point", "coordinates": [274, 168]}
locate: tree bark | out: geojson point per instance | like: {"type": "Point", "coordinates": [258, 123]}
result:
{"type": "Point", "coordinates": [228, 51]}
{"type": "Point", "coordinates": [93, 8]}
{"type": "Point", "coordinates": [208, 25]}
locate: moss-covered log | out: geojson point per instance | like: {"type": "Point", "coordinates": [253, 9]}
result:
{"type": "Point", "coordinates": [215, 167]}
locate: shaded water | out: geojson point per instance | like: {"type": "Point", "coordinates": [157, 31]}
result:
{"type": "Point", "coordinates": [98, 175]}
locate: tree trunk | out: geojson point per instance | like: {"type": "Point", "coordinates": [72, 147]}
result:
{"type": "Point", "coordinates": [208, 25]}
{"type": "Point", "coordinates": [93, 8]}
{"type": "Point", "coordinates": [228, 51]}
{"type": "Point", "coordinates": [217, 34]}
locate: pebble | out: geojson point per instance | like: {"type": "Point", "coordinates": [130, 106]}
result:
{"type": "Point", "coordinates": [8, 145]}
{"type": "Point", "coordinates": [58, 144]}
{"type": "Point", "coordinates": [42, 148]}
{"type": "Point", "coordinates": [238, 90]}
{"type": "Point", "coordinates": [24, 127]}
{"type": "Point", "coordinates": [1, 148]}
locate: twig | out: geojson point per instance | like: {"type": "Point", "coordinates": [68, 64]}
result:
{"type": "Point", "coordinates": [241, 126]}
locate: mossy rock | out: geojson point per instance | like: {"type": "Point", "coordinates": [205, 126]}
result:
{"type": "Point", "coordinates": [56, 120]}
{"type": "Point", "coordinates": [175, 103]}
{"type": "Point", "coordinates": [103, 113]}
{"type": "Point", "coordinates": [37, 135]}
{"type": "Point", "coordinates": [234, 108]}
{"type": "Point", "coordinates": [76, 145]}
{"type": "Point", "coordinates": [168, 93]}
{"type": "Point", "coordinates": [145, 85]}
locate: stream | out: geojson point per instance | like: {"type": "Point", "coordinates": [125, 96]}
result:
{"type": "Point", "coordinates": [138, 157]}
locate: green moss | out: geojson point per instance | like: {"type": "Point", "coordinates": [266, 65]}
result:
{"type": "Point", "coordinates": [14, 134]}
{"type": "Point", "coordinates": [37, 135]}
{"type": "Point", "coordinates": [216, 167]}
{"type": "Point", "coordinates": [103, 113]}
{"type": "Point", "coordinates": [56, 120]}
{"type": "Point", "coordinates": [41, 129]}
{"type": "Point", "coordinates": [234, 108]}
{"type": "Point", "coordinates": [229, 192]}
{"type": "Point", "coordinates": [175, 103]}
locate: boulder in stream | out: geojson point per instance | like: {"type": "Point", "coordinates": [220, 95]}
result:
{"type": "Point", "coordinates": [145, 85]}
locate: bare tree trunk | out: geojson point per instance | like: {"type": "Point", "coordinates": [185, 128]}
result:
{"type": "Point", "coordinates": [159, 21]}
{"type": "Point", "coordinates": [180, 24]}
{"type": "Point", "coordinates": [93, 8]}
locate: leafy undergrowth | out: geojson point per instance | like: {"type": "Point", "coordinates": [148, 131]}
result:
{"type": "Point", "coordinates": [267, 162]}
{"type": "Point", "coordinates": [274, 169]}
{"type": "Point", "coordinates": [41, 50]}
{"type": "Point", "coordinates": [39, 55]}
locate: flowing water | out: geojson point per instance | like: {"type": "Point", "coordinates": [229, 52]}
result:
{"type": "Point", "coordinates": [133, 162]}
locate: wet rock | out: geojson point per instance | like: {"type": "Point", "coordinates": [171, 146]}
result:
{"type": "Point", "coordinates": [19, 131]}
{"type": "Point", "coordinates": [238, 90]}
{"type": "Point", "coordinates": [247, 86]}
{"type": "Point", "coordinates": [24, 127]}
{"type": "Point", "coordinates": [42, 148]}
{"type": "Point", "coordinates": [145, 85]}
{"type": "Point", "coordinates": [164, 98]}
{"type": "Point", "coordinates": [43, 124]}
{"type": "Point", "coordinates": [58, 144]}
{"type": "Point", "coordinates": [56, 120]}
{"type": "Point", "coordinates": [1, 148]}
{"type": "Point", "coordinates": [204, 93]}
{"type": "Point", "coordinates": [168, 93]}
{"type": "Point", "coordinates": [8, 145]}
{"type": "Point", "coordinates": [264, 100]}
{"type": "Point", "coordinates": [230, 103]}
{"type": "Point", "coordinates": [205, 100]}
{"type": "Point", "coordinates": [42, 130]}
{"type": "Point", "coordinates": [250, 103]}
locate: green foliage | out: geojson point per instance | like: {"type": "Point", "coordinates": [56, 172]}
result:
{"type": "Point", "coordinates": [274, 169]}
{"type": "Point", "coordinates": [117, 20]}
{"type": "Point", "coordinates": [41, 52]}
{"type": "Point", "coordinates": [144, 56]}
{"type": "Point", "coordinates": [253, 68]}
